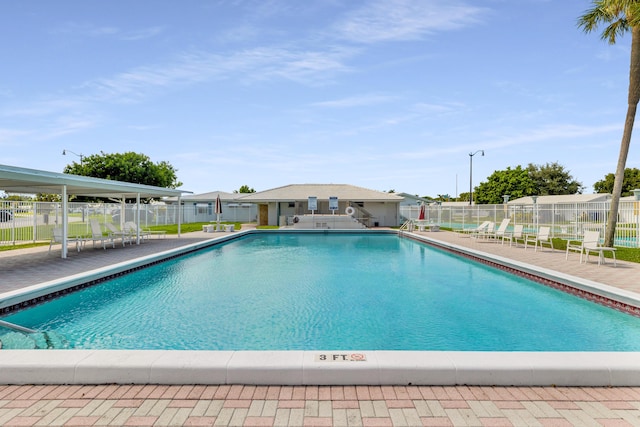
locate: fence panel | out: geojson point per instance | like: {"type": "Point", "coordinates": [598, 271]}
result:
{"type": "Point", "coordinates": [566, 220]}
{"type": "Point", "coordinates": [22, 222]}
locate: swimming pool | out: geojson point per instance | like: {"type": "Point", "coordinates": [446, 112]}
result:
{"type": "Point", "coordinates": [310, 291]}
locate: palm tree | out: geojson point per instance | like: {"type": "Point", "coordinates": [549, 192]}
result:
{"type": "Point", "coordinates": [620, 16]}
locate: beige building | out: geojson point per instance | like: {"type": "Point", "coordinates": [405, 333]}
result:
{"type": "Point", "coordinates": [288, 204]}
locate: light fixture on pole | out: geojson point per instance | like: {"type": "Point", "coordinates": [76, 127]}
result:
{"type": "Point", "coordinates": [65, 151]}
{"type": "Point", "coordinates": [471, 175]}
{"type": "Point", "coordinates": [636, 210]}
{"type": "Point", "coordinates": [505, 199]}
{"type": "Point", "coordinates": [535, 212]}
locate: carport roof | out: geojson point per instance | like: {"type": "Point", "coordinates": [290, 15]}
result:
{"type": "Point", "coordinates": [30, 181]}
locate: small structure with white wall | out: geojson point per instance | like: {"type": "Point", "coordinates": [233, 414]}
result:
{"type": "Point", "coordinates": [357, 207]}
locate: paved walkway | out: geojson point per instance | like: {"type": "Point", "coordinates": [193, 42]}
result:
{"type": "Point", "coordinates": [238, 405]}
{"type": "Point", "coordinates": [309, 405]}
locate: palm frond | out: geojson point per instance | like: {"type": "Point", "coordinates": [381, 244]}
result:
{"type": "Point", "coordinates": [618, 15]}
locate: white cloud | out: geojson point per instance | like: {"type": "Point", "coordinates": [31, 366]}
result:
{"type": "Point", "coordinates": [262, 63]}
{"type": "Point", "coordinates": [89, 30]}
{"type": "Point", "coordinates": [66, 126]}
{"type": "Point", "coordinates": [142, 34]}
{"type": "Point", "coordinates": [356, 101]}
{"type": "Point", "coordinates": [400, 20]}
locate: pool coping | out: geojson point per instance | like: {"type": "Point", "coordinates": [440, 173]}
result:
{"type": "Point", "coordinates": [317, 367]}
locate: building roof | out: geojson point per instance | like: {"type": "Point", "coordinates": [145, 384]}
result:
{"type": "Point", "coordinates": [412, 198]}
{"type": "Point", "coordinates": [568, 198]}
{"type": "Point", "coordinates": [207, 197]}
{"type": "Point", "coordinates": [31, 181]}
{"type": "Point", "coordinates": [301, 192]}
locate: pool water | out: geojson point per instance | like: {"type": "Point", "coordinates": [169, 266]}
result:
{"type": "Point", "coordinates": [310, 291]}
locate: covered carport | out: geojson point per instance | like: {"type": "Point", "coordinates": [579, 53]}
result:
{"type": "Point", "coordinates": [31, 181]}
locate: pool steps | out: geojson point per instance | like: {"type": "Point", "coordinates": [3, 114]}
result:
{"type": "Point", "coordinates": [15, 327]}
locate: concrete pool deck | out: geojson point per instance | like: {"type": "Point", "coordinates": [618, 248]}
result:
{"type": "Point", "coordinates": [297, 404]}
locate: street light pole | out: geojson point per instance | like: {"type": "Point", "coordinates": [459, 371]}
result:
{"type": "Point", "coordinates": [65, 151]}
{"type": "Point", "coordinates": [471, 175]}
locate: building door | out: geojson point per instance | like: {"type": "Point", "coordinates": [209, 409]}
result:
{"type": "Point", "coordinates": [263, 215]}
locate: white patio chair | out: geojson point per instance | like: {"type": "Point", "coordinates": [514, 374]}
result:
{"type": "Point", "coordinates": [57, 238]}
{"type": "Point", "coordinates": [591, 244]}
{"type": "Point", "coordinates": [516, 235]}
{"type": "Point", "coordinates": [124, 236]}
{"type": "Point", "coordinates": [98, 236]}
{"type": "Point", "coordinates": [543, 237]}
{"type": "Point", "coordinates": [485, 232]}
{"type": "Point", "coordinates": [501, 232]}
{"type": "Point", "coordinates": [470, 231]}
{"type": "Point", "coordinates": [143, 232]}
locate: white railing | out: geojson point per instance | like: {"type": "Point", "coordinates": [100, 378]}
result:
{"type": "Point", "coordinates": [34, 221]}
{"type": "Point", "coordinates": [567, 220]}
{"type": "Point", "coordinates": [22, 222]}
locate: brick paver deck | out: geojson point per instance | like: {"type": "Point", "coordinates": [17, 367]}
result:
{"type": "Point", "coordinates": [243, 405]}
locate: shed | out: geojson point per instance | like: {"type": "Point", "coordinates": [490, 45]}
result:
{"type": "Point", "coordinates": [201, 207]}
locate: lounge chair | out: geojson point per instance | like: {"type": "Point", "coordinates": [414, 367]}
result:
{"type": "Point", "coordinates": [118, 234]}
{"type": "Point", "coordinates": [485, 232]}
{"type": "Point", "coordinates": [516, 235]}
{"type": "Point", "coordinates": [469, 231]}
{"type": "Point", "coordinates": [590, 244]}
{"type": "Point", "coordinates": [132, 228]}
{"type": "Point", "coordinates": [98, 236]}
{"type": "Point", "coordinates": [143, 232]}
{"type": "Point", "coordinates": [57, 238]}
{"type": "Point", "coordinates": [542, 238]}
{"type": "Point", "coordinates": [501, 232]}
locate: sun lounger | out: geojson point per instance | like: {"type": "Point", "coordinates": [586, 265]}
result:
{"type": "Point", "coordinates": [98, 236]}
{"type": "Point", "coordinates": [591, 244]}
{"type": "Point", "coordinates": [470, 231]}
{"type": "Point", "coordinates": [144, 233]}
{"type": "Point", "coordinates": [543, 237]}
{"type": "Point", "coordinates": [118, 234]}
{"type": "Point", "coordinates": [515, 235]}
{"type": "Point", "coordinates": [57, 238]}
{"type": "Point", "coordinates": [501, 232]}
{"type": "Point", "coordinates": [486, 232]}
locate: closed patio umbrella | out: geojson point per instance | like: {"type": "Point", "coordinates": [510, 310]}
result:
{"type": "Point", "coordinates": [422, 212]}
{"type": "Point", "coordinates": [218, 210]}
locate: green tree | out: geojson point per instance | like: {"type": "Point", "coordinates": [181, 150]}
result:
{"type": "Point", "coordinates": [552, 179]}
{"type": "Point", "coordinates": [126, 167]}
{"type": "Point", "coordinates": [45, 197]}
{"type": "Point", "coordinates": [620, 17]}
{"type": "Point", "coordinates": [630, 182]}
{"type": "Point", "coordinates": [245, 189]}
{"type": "Point", "coordinates": [535, 180]}
{"type": "Point", "coordinates": [514, 182]}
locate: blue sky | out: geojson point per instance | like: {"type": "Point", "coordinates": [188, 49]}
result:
{"type": "Point", "coordinates": [383, 94]}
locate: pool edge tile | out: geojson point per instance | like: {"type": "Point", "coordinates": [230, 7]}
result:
{"type": "Point", "coordinates": [341, 369]}
{"type": "Point", "coordinates": [266, 367]}
{"type": "Point", "coordinates": [191, 367]}
{"type": "Point", "coordinates": [416, 367]}
{"type": "Point", "coordinates": [40, 366]}
{"type": "Point", "coordinates": [117, 366]}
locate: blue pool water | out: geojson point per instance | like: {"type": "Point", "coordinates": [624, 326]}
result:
{"type": "Point", "coordinates": [308, 291]}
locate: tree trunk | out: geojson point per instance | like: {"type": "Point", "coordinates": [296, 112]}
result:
{"type": "Point", "coordinates": [634, 97]}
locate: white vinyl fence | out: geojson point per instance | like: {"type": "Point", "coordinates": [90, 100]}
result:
{"type": "Point", "coordinates": [567, 220]}
{"type": "Point", "coordinates": [22, 222]}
